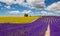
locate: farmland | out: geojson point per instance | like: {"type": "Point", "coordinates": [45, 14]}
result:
{"type": "Point", "coordinates": [17, 19]}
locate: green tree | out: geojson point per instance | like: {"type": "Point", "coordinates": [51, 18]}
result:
{"type": "Point", "coordinates": [26, 15]}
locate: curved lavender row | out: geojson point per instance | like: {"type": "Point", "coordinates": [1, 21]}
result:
{"type": "Point", "coordinates": [36, 28]}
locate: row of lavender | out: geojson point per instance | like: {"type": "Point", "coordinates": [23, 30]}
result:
{"type": "Point", "coordinates": [36, 28]}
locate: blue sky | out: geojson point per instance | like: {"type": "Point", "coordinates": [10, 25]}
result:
{"type": "Point", "coordinates": [49, 2]}
{"type": "Point", "coordinates": [31, 7]}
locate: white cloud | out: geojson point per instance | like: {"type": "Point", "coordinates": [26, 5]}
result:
{"type": "Point", "coordinates": [54, 7]}
{"type": "Point", "coordinates": [45, 13]}
{"type": "Point", "coordinates": [14, 12]}
{"type": "Point", "coordinates": [20, 1]}
{"type": "Point", "coordinates": [27, 12]}
{"type": "Point", "coordinates": [19, 12]}
{"type": "Point", "coordinates": [8, 1]}
{"type": "Point", "coordinates": [7, 7]}
{"type": "Point", "coordinates": [38, 4]}
{"type": "Point", "coordinates": [12, 1]}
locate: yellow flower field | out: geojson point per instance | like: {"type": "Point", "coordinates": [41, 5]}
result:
{"type": "Point", "coordinates": [17, 19]}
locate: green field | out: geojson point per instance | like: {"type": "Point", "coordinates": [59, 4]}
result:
{"type": "Point", "coordinates": [17, 19]}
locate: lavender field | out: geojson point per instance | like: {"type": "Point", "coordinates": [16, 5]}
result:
{"type": "Point", "coordinates": [36, 28]}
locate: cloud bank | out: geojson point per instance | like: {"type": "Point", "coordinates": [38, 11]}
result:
{"type": "Point", "coordinates": [54, 7]}
{"type": "Point", "coordinates": [19, 12]}
{"type": "Point", "coordinates": [34, 4]}
{"type": "Point", "coordinates": [37, 4]}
